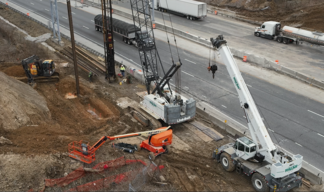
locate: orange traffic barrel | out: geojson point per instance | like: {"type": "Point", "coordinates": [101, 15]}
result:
{"type": "Point", "coordinates": [153, 25]}
{"type": "Point", "coordinates": [244, 58]}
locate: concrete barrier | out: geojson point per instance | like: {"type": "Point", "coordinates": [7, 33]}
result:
{"type": "Point", "coordinates": [304, 77]}
{"type": "Point", "coordinates": [288, 71]}
{"type": "Point", "coordinates": [317, 84]}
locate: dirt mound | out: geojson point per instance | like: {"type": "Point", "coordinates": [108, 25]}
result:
{"type": "Point", "coordinates": [296, 13]}
{"type": "Point", "coordinates": [70, 120]}
{"type": "Point", "coordinates": [16, 71]}
{"type": "Point", "coordinates": [20, 104]}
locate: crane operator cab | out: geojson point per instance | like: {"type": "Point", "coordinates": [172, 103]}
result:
{"type": "Point", "coordinates": [245, 148]}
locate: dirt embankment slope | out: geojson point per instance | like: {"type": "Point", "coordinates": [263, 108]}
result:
{"type": "Point", "coordinates": [297, 13]}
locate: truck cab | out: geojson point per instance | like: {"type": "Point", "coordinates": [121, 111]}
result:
{"type": "Point", "coordinates": [143, 39]}
{"type": "Point", "coordinates": [268, 30]}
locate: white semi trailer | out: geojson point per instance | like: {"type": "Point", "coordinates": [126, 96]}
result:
{"type": "Point", "coordinates": [192, 10]}
{"type": "Point", "coordinates": [286, 35]}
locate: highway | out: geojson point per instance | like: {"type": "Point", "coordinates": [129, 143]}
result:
{"type": "Point", "coordinates": [295, 122]}
{"type": "Point", "coordinates": [241, 35]}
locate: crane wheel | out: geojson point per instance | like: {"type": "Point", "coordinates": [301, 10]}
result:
{"type": "Point", "coordinates": [227, 162]}
{"type": "Point", "coordinates": [138, 146]}
{"type": "Point", "coordinates": [259, 183]}
{"type": "Point", "coordinates": [151, 156]}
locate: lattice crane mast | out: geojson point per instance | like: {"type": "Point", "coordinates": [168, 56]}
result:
{"type": "Point", "coordinates": [165, 105]}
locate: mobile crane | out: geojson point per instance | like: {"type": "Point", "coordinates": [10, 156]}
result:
{"type": "Point", "coordinates": [269, 167]}
{"type": "Point", "coordinates": [162, 103]}
{"type": "Point", "coordinates": [157, 143]}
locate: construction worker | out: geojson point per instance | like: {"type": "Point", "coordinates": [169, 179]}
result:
{"type": "Point", "coordinates": [90, 76]}
{"type": "Point", "coordinates": [122, 70]}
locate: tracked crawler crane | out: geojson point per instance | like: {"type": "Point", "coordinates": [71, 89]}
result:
{"type": "Point", "coordinates": [162, 102]}
{"type": "Point", "coordinates": [269, 167]}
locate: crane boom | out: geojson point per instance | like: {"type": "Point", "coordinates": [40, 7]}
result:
{"type": "Point", "coordinates": [277, 167]}
{"type": "Point", "coordinates": [256, 126]}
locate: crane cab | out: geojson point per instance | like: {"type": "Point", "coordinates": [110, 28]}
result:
{"type": "Point", "coordinates": [245, 148]}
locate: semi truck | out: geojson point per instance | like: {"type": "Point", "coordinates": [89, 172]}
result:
{"type": "Point", "coordinates": [272, 30]}
{"type": "Point", "coordinates": [192, 10]}
{"type": "Point", "coordinates": [269, 168]}
{"type": "Point", "coordinates": [131, 35]}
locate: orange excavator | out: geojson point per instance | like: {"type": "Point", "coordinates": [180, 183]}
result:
{"type": "Point", "coordinates": [157, 143]}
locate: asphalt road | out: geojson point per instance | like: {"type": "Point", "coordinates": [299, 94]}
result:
{"type": "Point", "coordinates": [304, 58]}
{"type": "Point", "coordinates": [295, 122]}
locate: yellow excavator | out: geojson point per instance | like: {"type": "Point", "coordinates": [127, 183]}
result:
{"type": "Point", "coordinates": [39, 70]}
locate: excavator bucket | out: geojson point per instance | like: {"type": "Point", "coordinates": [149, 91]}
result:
{"type": "Point", "coordinates": [80, 151]}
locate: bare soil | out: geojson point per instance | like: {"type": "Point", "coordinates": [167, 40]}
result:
{"type": "Point", "coordinates": [306, 14]}
{"type": "Point", "coordinates": [39, 151]}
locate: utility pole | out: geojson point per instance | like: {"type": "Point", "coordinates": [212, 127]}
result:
{"type": "Point", "coordinates": [55, 21]}
{"type": "Point", "coordinates": [73, 47]}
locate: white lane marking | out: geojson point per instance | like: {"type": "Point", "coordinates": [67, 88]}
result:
{"type": "Point", "coordinates": [248, 85]}
{"type": "Point", "coordinates": [224, 106]}
{"type": "Point", "coordinates": [188, 74]}
{"type": "Point", "coordinates": [32, 3]}
{"type": "Point", "coordinates": [320, 135]}
{"type": "Point", "coordinates": [271, 130]}
{"type": "Point", "coordinates": [315, 113]}
{"type": "Point", "coordinates": [92, 21]}
{"type": "Point", "coordinates": [46, 9]}
{"type": "Point", "coordinates": [298, 144]}
{"type": "Point", "coordinates": [190, 61]}
{"type": "Point", "coordinates": [64, 17]}
{"type": "Point", "coordinates": [85, 27]}
{"type": "Point", "coordinates": [73, 13]}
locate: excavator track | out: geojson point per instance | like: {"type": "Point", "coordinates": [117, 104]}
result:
{"type": "Point", "coordinates": [42, 79]}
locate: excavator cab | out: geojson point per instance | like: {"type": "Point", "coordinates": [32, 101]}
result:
{"type": "Point", "coordinates": [47, 67]}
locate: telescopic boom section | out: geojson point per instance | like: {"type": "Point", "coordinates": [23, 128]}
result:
{"type": "Point", "coordinates": [256, 126]}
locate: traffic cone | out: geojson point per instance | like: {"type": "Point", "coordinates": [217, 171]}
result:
{"type": "Point", "coordinates": [277, 62]}
{"type": "Point", "coordinates": [244, 58]}
{"type": "Point", "coordinates": [27, 14]}
{"type": "Point", "coordinates": [215, 12]}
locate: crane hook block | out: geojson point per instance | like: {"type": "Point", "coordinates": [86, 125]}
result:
{"type": "Point", "coordinates": [218, 41]}
{"type": "Point", "coordinates": [213, 68]}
